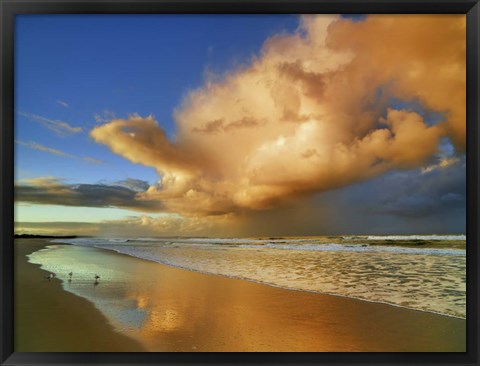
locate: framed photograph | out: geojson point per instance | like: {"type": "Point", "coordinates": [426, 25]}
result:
{"type": "Point", "coordinates": [224, 182]}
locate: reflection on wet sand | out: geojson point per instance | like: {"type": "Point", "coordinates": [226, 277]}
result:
{"type": "Point", "coordinates": [169, 309]}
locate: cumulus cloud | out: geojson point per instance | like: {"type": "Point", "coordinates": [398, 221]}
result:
{"type": "Point", "coordinates": [169, 225]}
{"type": "Point", "coordinates": [142, 225]}
{"type": "Point", "coordinates": [61, 128]}
{"type": "Point", "coordinates": [310, 113]}
{"type": "Point", "coordinates": [419, 56]}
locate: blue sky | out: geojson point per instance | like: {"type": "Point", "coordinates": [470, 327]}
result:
{"type": "Point", "coordinates": [75, 73]}
{"type": "Point", "coordinates": [71, 68]}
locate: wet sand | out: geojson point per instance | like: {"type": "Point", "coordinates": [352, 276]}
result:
{"type": "Point", "coordinates": [170, 309]}
{"type": "Point", "coordinates": [49, 319]}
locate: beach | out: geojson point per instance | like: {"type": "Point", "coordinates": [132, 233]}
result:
{"type": "Point", "coordinates": [49, 319]}
{"type": "Point", "coordinates": [140, 305]}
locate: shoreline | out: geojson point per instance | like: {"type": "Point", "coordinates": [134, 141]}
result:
{"type": "Point", "coordinates": [63, 323]}
{"type": "Point", "coordinates": [274, 285]}
{"type": "Point", "coordinates": [323, 305]}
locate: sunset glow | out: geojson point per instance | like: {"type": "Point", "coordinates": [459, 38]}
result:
{"type": "Point", "coordinates": [314, 124]}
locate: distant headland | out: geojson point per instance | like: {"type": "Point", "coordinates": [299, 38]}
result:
{"type": "Point", "coordinates": [35, 236]}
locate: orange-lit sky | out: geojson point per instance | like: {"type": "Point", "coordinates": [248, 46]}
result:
{"type": "Point", "coordinates": [319, 125]}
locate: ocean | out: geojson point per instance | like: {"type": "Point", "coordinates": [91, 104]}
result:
{"type": "Point", "coordinates": [420, 272]}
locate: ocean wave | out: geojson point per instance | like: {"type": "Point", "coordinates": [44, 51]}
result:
{"type": "Point", "coordinates": [261, 245]}
{"type": "Point", "coordinates": [395, 290]}
{"type": "Point", "coordinates": [366, 248]}
{"type": "Point", "coordinates": [429, 279]}
{"type": "Point", "coordinates": [407, 237]}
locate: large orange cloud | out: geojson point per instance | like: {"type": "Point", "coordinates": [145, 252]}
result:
{"type": "Point", "coordinates": [308, 114]}
{"type": "Point", "coordinates": [420, 56]}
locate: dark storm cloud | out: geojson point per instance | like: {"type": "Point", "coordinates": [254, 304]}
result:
{"type": "Point", "coordinates": [416, 194]}
{"type": "Point", "coordinates": [54, 192]}
{"type": "Point", "coordinates": [423, 201]}
{"type": "Point", "coordinates": [136, 185]}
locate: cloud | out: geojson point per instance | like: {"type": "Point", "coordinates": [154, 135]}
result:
{"type": "Point", "coordinates": [443, 164]}
{"type": "Point", "coordinates": [340, 126]}
{"type": "Point", "coordinates": [419, 193]}
{"type": "Point", "coordinates": [142, 225]}
{"type": "Point", "coordinates": [400, 201]}
{"type": "Point", "coordinates": [57, 228]}
{"type": "Point", "coordinates": [53, 191]}
{"type": "Point", "coordinates": [306, 115]}
{"type": "Point", "coordinates": [37, 146]}
{"type": "Point", "coordinates": [103, 117]}
{"type": "Point", "coordinates": [59, 127]}
{"type": "Point", "coordinates": [421, 56]}
{"type": "Point", "coordinates": [218, 125]}
{"type": "Point", "coordinates": [137, 185]}
{"type": "Point", "coordinates": [63, 104]}
{"type": "Point", "coordinates": [169, 225]}
{"type": "Point", "coordinates": [141, 141]}
{"type": "Point", "coordinates": [88, 159]}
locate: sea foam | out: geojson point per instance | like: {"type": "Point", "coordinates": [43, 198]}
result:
{"type": "Point", "coordinates": [429, 279]}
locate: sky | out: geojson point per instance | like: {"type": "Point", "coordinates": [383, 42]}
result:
{"type": "Point", "coordinates": [240, 125]}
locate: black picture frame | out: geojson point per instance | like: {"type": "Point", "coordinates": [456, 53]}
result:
{"type": "Point", "coordinates": [10, 8]}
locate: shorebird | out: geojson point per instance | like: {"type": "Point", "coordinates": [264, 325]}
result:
{"type": "Point", "coordinates": [96, 278]}
{"type": "Point", "coordinates": [49, 277]}
{"type": "Point", "coordinates": [70, 274]}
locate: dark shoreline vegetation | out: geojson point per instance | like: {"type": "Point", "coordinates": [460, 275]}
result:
{"type": "Point", "coordinates": [35, 236]}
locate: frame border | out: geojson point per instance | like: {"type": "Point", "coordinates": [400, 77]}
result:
{"type": "Point", "coordinates": [10, 8]}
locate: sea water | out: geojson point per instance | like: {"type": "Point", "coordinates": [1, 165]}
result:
{"type": "Point", "coordinates": [424, 273]}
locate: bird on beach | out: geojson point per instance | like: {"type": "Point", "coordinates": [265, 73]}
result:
{"type": "Point", "coordinates": [70, 274]}
{"type": "Point", "coordinates": [49, 277]}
